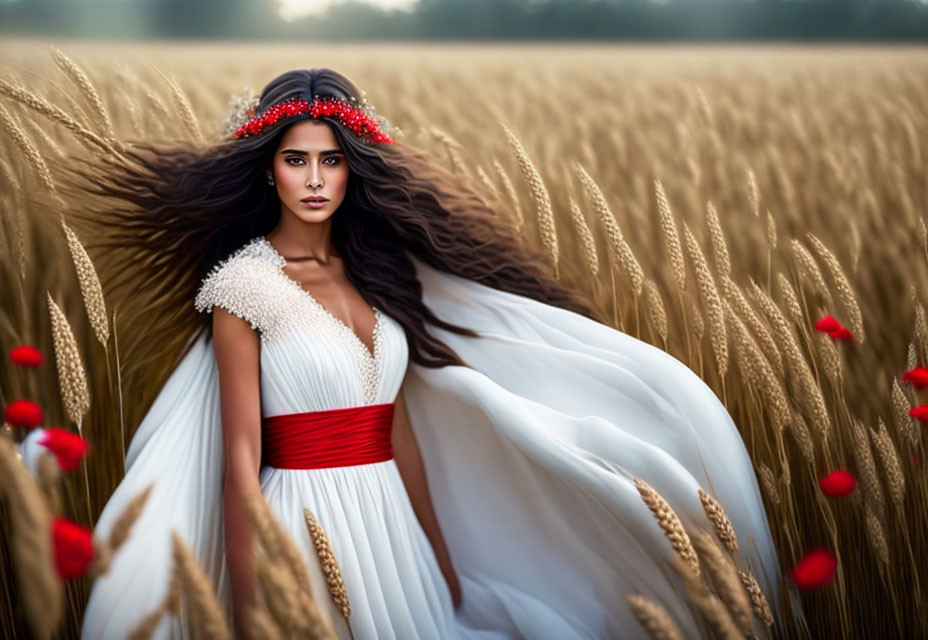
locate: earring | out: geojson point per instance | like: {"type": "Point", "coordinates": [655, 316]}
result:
{"type": "Point", "coordinates": [270, 180]}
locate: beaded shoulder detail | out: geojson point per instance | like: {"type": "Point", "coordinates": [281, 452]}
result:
{"type": "Point", "coordinates": [243, 284]}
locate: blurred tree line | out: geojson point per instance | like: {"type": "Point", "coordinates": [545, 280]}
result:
{"type": "Point", "coordinates": [477, 19]}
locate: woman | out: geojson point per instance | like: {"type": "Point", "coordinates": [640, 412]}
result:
{"type": "Point", "coordinates": [393, 362]}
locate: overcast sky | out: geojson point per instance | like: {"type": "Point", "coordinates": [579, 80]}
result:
{"type": "Point", "coordinates": [292, 9]}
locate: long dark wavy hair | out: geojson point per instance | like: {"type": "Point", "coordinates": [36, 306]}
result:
{"type": "Point", "coordinates": [181, 208]}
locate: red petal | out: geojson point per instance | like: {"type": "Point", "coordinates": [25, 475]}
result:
{"type": "Point", "coordinates": [26, 356]}
{"type": "Point", "coordinates": [814, 570]}
{"type": "Point", "coordinates": [838, 483]}
{"type": "Point", "coordinates": [920, 412]}
{"type": "Point", "coordinates": [841, 334]}
{"type": "Point", "coordinates": [828, 324]}
{"type": "Point", "coordinates": [917, 377]}
{"type": "Point", "coordinates": [917, 461]}
{"type": "Point", "coordinates": [24, 412]}
{"type": "Point", "coordinates": [68, 447]}
{"type": "Point", "coordinates": [73, 548]}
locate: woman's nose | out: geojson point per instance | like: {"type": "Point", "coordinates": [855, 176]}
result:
{"type": "Point", "coordinates": [314, 179]}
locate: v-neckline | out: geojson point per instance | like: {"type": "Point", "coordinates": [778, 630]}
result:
{"type": "Point", "coordinates": [371, 353]}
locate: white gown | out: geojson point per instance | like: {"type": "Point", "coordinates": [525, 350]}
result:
{"type": "Point", "coordinates": [529, 452]}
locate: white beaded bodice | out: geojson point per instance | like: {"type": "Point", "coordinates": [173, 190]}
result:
{"type": "Point", "coordinates": [251, 284]}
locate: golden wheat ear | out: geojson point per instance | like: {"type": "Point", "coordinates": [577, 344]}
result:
{"type": "Point", "coordinates": [667, 519]}
{"type": "Point", "coordinates": [333, 574]}
{"type": "Point", "coordinates": [651, 615]}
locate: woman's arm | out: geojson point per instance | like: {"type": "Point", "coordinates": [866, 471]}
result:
{"type": "Point", "coordinates": [237, 350]}
{"type": "Point", "coordinates": [409, 461]}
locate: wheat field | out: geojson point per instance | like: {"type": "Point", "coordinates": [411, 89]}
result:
{"type": "Point", "coordinates": [715, 201]}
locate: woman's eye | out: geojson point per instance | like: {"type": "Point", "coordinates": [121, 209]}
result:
{"type": "Point", "coordinates": [293, 158]}
{"type": "Point", "coordinates": [333, 158]}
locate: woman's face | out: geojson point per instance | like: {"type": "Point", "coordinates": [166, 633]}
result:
{"type": "Point", "coordinates": [310, 162]}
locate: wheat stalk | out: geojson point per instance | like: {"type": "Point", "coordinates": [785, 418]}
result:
{"type": "Point", "coordinates": [654, 618]}
{"type": "Point", "coordinates": [904, 422]}
{"type": "Point", "coordinates": [719, 246]}
{"type": "Point", "coordinates": [845, 293]}
{"type": "Point", "coordinates": [669, 522]}
{"type": "Point", "coordinates": [619, 249]}
{"type": "Point", "coordinates": [758, 600]}
{"type": "Point", "coordinates": [699, 324]}
{"type": "Point", "coordinates": [875, 534]}
{"type": "Point", "coordinates": [329, 564]}
{"type": "Point", "coordinates": [753, 193]}
{"type": "Point", "coordinates": [86, 88]}
{"type": "Point", "coordinates": [28, 148]}
{"type": "Point", "coordinates": [759, 329]}
{"type": "Point", "coordinates": [771, 231]}
{"type": "Point", "coordinates": [539, 195]}
{"type": "Point", "coordinates": [171, 604]}
{"type": "Point", "coordinates": [709, 605]}
{"type": "Point", "coordinates": [866, 466]}
{"type": "Point", "coordinates": [768, 482]}
{"type": "Point", "coordinates": [453, 147]}
{"type": "Point", "coordinates": [281, 549]}
{"type": "Point", "coordinates": [724, 578]}
{"type": "Point", "coordinates": [911, 358]}
{"type": "Point", "coordinates": [586, 237]}
{"type": "Point", "coordinates": [38, 132]}
{"type": "Point", "coordinates": [830, 357]}
{"type": "Point", "coordinates": [891, 464]}
{"type": "Point", "coordinates": [261, 624]}
{"type": "Point", "coordinates": [511, 194]}
{"type": "Point", "coordinates": [75, 393]}
{"type": "Point", "coordinates": [921, 326]}
{"type": "Point", "coordinates": [720, 522]}
{"type": "Point", "coordinates": [655, 308]}
{"type": "Point", "coordinates": [790, 300]}
{"type": "Point", "coordinates": [800, 431]}
{"type": "Point", "coordinates": [54, 113]}
{"type": "Point", "coordinates": [41, 592]}
{"type": "Point", "coordinates": [757, 370]}
{"type": "Point", "coordinates": [119, 533]}
{"type": "Point", "coordinates": [711, 299]}
{"type": "Point", "coordinates": [809, 268]}
{"type": "Point", "coordinates": [282, 594]}
{"type": "Point", "coordinates": [206, 614]}
{"type": "Point", "coordinates": [800, 374]}
{"type": "Point", "coordinates": [91, 290]}
{"type": "Point", "coordinates": [671, 239]}
{"type": "Point", "coordinates": [487, 183]}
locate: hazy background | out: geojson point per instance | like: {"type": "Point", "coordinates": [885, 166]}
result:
{"type": "Point", "coordinates": [314, 20]}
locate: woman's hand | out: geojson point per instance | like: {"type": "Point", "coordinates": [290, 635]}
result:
{"type": "Point", "coordinates": [452, 578]}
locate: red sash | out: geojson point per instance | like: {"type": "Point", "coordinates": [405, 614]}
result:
{"type": "Point", "coordinates": [331, 438]}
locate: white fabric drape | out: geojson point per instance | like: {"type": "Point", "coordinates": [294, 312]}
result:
{"type": "Point", "coordinates": [530, 453]}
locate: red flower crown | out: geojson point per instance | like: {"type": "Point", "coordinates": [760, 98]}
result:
{"type": "Point", "coordinates": [361, 120]}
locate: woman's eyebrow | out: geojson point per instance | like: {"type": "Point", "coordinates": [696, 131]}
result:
{"type": "Point", "coordinates": [300, 152]}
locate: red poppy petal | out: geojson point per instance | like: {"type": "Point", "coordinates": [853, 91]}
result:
{"type": "Point", "coordinates": [73, 548]}
{"type": "Point", "coordinates": [841, 333]}
{"type": "Point", "coordinates": [920, 412]}
{"type": "Point", "coordinates": [24, 412]}
{"type": "Point", "coordinates": [828, 324]}
{"type": "Point", "coordinates": [26, 356]}
{"type": "Point", "coordinates": [838, 483]}
{"type": "Point", "coordinates": [917, 377]}
{"type": "Point", "coordinates": [816, 569]}
{"type": "Point", "coordinates": [68, 447]}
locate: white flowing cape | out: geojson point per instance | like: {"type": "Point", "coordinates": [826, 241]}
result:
{"type": "Point", "coordinates": [530, 455]}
